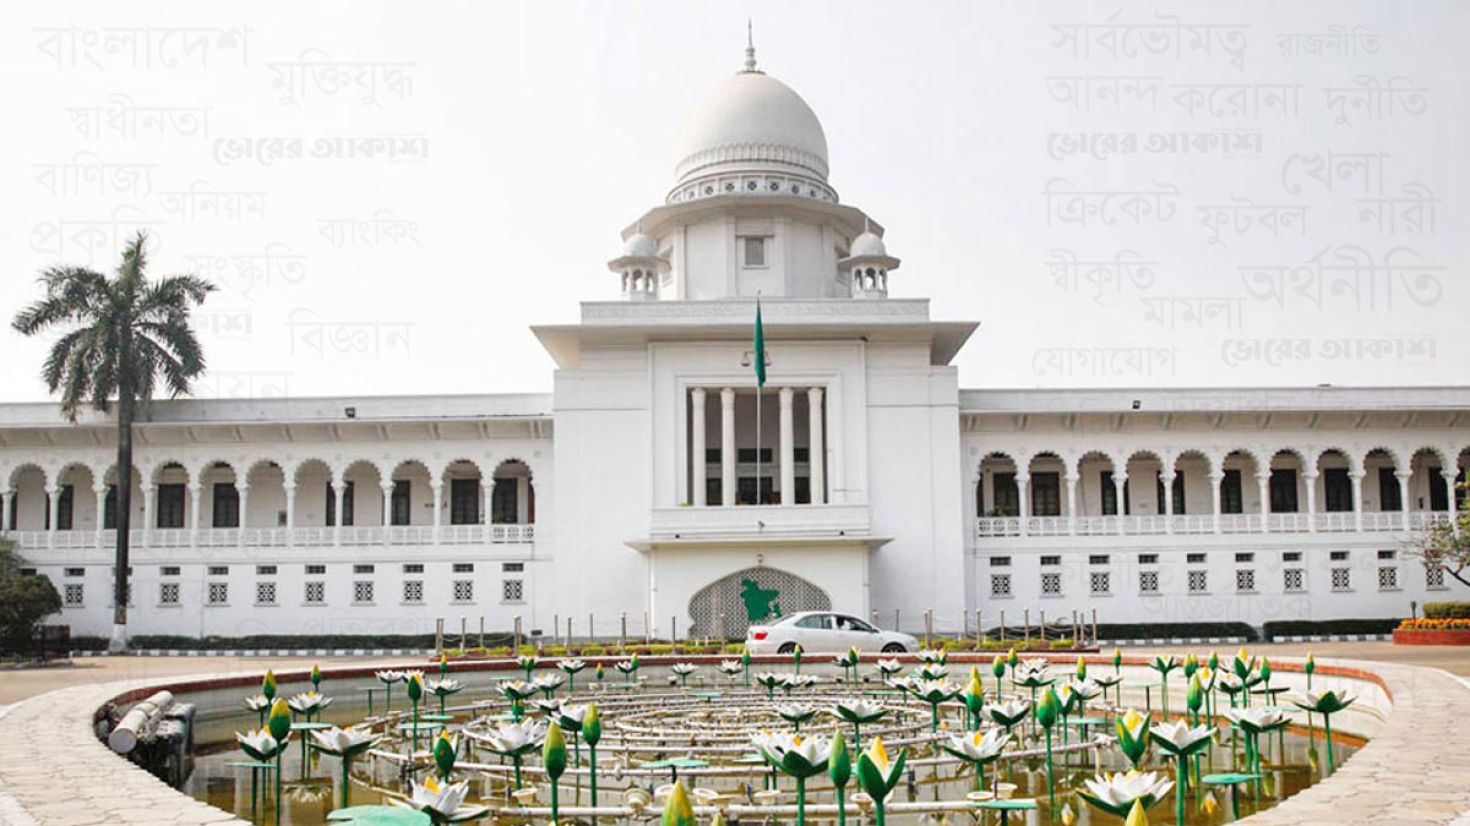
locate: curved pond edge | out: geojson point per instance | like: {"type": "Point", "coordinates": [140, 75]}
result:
{"type": "Point", "coordinates": [55, 772]}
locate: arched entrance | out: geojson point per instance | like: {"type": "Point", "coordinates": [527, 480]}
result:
{"type": "Point", "coordinates": [730, 605]}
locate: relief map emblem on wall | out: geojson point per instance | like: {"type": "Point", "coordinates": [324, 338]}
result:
{"type": "Point", "coordinates": [733, 603]}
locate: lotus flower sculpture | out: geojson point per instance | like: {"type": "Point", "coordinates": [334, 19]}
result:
{"type": "Point", "coordinates": [443, 802]}
{"type": "Point", "coordinates": [789, 682]}
{"type": "Point", "coordinates": [388, 678]}
{"type": "Point", "coordinates": [547, 684]}
{"type": "Point", "coordinates": [628, 667]}
{"type": "Point", "coordinates": [934, 656]}
{"type": "Point", "coordinates": [308, 704]}
{"type": "Point", "coordinates": [795, 714]}
{"type": "Point", "coordinates": [1119, 792]}
{"type": "Point", "coordinates": [513, 740]}
{"type": "Point", "coordinates": [1164, 663]}
{"type": "Point", "coordinates": [731, 668]}
{"type": "Point", "coordinates": [1181, 742]}
{"type": "Point", "coordinates": [848, 663]}
{"type": "Point", "coordinates": [933, 671]}
{"type": "Point", "coordinates": [528, 663]}
{"type": "Point", "coordinates": [1254, 722]}
{"type": "Point", "coordinates": [345, 744]}
{"type": "Point", "coordinates": [878, 775]}
{"type": "Point", "coordinates": [443, 688]}
{"type": "Point", "coordinates": [795, 755]}
{"type": "Point", "coordinates": [571, 668]}
{"type": "Point", "coordinates": [260, 704]}
{"type": "Point", "coordinates": [935, 693]}
{"type": "Point", "coordinates": [978, 749]}
{"type": "Point", "coordinates": [683, 670]}
{"type": "Point", "coordinates": [769, 680]}
{"type": "Point", "coordinates": [1325, 703]}
{"type": "Point", "coordinates": [259, 746]}
{"type": "Point", "coordinates": [858, 712]}
{"type": "Point", "coordinates": [1008, 713]}
{"type": "Point", "coordinates": [888, 667]}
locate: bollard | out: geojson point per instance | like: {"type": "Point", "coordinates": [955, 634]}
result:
{"type": "Point", "coordinates": [896, 625]}
{"type": "Point", "coordinates": [647, 629]}
{"type": "Point", "coordinates": [591, 629]}
{"type": "Point", "coordinates": [964, 624]}
{"type": "Point", "coordinates": [623, 630]}
{"type": "Point", "coordinates": [928, 625]}
{"type": "Point", "coordinates": [673, 629]}
{"type": "Point", "coordinates": [979, 628]}
{"type": "Point", "coordinates": [482, 632]}
{"type": "Point", "coordinates": [1027, 613]}
{"type": "Point", "coordinates": [1042, 627]}
{"type": "Point", "coordinates": [463, 637]}
{"type": "Point", "coordinates": [439, 635]}
{"type": "Point", "coordinates": [569, 633]}
{"type": "Point", "coordinates": [517, 634]}
{"type": "Point", "coordinates": [555, 628]}
{"type": "Point", "coordinates": [1002, 626]}
{"type": "Point", "coordinates": [1094, 626]}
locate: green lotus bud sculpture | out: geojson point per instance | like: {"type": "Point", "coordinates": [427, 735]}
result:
{"type": "Point", "coordinates": [316, 677]}
{"type": "Point", "coordinates": [446, 749]}
{"type": "Point", "coordinates": [268, 684]}
{"type": "Point", "coordinates": [1133, 736]}
{"type": "Point", "coordinates": [1047, 712]}
{"type": "Point", "coordinates": [415, 694]}
{"type": "Point", "coordinates": [554, 762]}
{"type": "Point", "coordinates": [678, 811]}
{"type": "Point", "coordinates": [591, 734]}
{"type": "Point", "coordinates": [878, 775]}
{"type": "Point", "coordinates": [998, 670]}
{"type": "Point", "coordinates": [839, 771]}
{"type": "Point", "coordinates": [1081, 671]}
{"type": "Point", "coordinates": [974, 697]}
{"type": "Point", "coordinates": [278, 722]}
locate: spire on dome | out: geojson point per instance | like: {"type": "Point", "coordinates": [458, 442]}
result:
{"type": "Point", "coordinates": [750, 49]}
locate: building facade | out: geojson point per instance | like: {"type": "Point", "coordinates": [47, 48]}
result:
{"type": "Point", "coordinates": [657, 488]}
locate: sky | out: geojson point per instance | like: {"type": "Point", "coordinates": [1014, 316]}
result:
{"type": "Point", "coordinates": [1122, 194]}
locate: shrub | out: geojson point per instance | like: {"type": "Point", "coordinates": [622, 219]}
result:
{"type": "Point", "coordinates": [1447, 610]}
{"type": "Point", "coordinates": [593, 650]}
{"type": "Point", "coordinates": [1427, 624]}
{"type": "Point", "coordinates": [734, 647]}
{"type": "Point", "coordinates": [1175, 630]}
{"type": "Point", "coordinates": [24, 601]}
{"type": "Point", "coordinates": [1063, 644]}
{"type": "Point", "coordinates": [1308, 628]}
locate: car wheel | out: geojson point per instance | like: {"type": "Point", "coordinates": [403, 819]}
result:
{"type": "Point", "coordinates": [894, 648]}
{"type": "Point", "coordinates": [787, 648]}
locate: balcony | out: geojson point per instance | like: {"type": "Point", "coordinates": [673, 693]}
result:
{"type": "Point", "coordinates": [746, 522]}
{"type": "Point", "coordinates": [1198, 524]}
{"type": "Point", "coordinates": [304, 537]}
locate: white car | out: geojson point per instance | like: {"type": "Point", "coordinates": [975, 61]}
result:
{"type": "Point", "coordinates": [825, 632]}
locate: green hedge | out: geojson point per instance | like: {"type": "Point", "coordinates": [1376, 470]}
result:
{"type": "Point", "coordinates": [1447, 610]}
{"type": "Point", "coordinates": [1309, 628]}
{"type": "Point", "coordinates": [1175, 630]}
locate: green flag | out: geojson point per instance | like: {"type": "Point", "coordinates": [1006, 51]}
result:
{"type": "Point", "coordinates": [760, 348]}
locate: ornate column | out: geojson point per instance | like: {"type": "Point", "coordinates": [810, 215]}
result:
{"type": "Point", "coordinates": [697, 440]}
{"type": "Point", "coordinates": [5, 526]}
{"type": "Point", "coordinates": [788, 453]}
{"type": "Point", "coordinates": [1120, 490]}
{"type": "Point", "coordinates": [1454, 501]}
{"type": "Point", "coordinates": [148, 518]}
{"type": "Point", "coordinates": [196, 496]}
{"type": "Point", "coordinates": [339, 492]}
{"type": "Point", "coordinates": [387, 488]}
{"type": "Point", "coordinates": [290, 513]}
{"type": "Point", "coordinates": [1023, 499]}
{"type": "Point", "coordinates": [438, 489]}
{"type": "Point", "coordinates": [487, 491]}
{"type": "Point", "coordinates": [1072, 504]}
{"type": "Point", "coordinates": [244, 510]}
{"type": "Point", "coordinates": [1166, 478]}
{"type": "Point", "coordinates": [1357, 478]}
{"type": "Point", "coordinates": [816, 446]}
{"type": "Point", "coordinates": [1310, 478]}
{"type": "Point", "coordinates": [1263, 482]}
{"type": "Point", "coordinates": [1403, 477]}
{"type": "Point", "coordinates": [53, 511]}
{"type": "Point", "coordinates": [1216, 480]}
{"type": "Point", "coordinates": [100, 491]}
{"type": "Point", "coordinates": [727, 446]}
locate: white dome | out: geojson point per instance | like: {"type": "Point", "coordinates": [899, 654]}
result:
{"type": "Point", "coordinates": [641, 246]}
{"type": "Point", "coordinates": [867, 244]}
{"type": "Point", "coordinates": [751, 122]}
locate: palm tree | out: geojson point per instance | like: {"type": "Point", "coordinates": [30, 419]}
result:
{"type": "Point", "coordinates": [121, 334]}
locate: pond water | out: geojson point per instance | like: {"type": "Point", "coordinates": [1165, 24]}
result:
{"type": "Point", "coordinates": [658, 722]}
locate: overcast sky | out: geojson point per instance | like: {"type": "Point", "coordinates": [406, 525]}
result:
{"type": "Point", "coordinates": [1168, 194]}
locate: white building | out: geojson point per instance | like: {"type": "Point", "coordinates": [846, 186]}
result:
{"type": "Point", "coordinates": [638, 488]}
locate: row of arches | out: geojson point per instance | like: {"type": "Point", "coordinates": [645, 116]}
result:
{"type": "Point", "coordinates": [1286, 480]}
{"type": "Point", "coordinates": [262, 492]}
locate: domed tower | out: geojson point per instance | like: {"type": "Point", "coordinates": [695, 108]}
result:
{"type": "Point", "coordinates": [750, 212]}
{"type": "Point", "coordinates": [640, 267]}
{"type": "Point", "coordinates": [867, 265]}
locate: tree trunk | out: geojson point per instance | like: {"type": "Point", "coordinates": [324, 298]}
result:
{"type": "Point", "coordinates": [123, 511]}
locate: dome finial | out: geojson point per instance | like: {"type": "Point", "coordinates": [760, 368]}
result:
{"type": "Point", "coordinates": [750, 46]}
